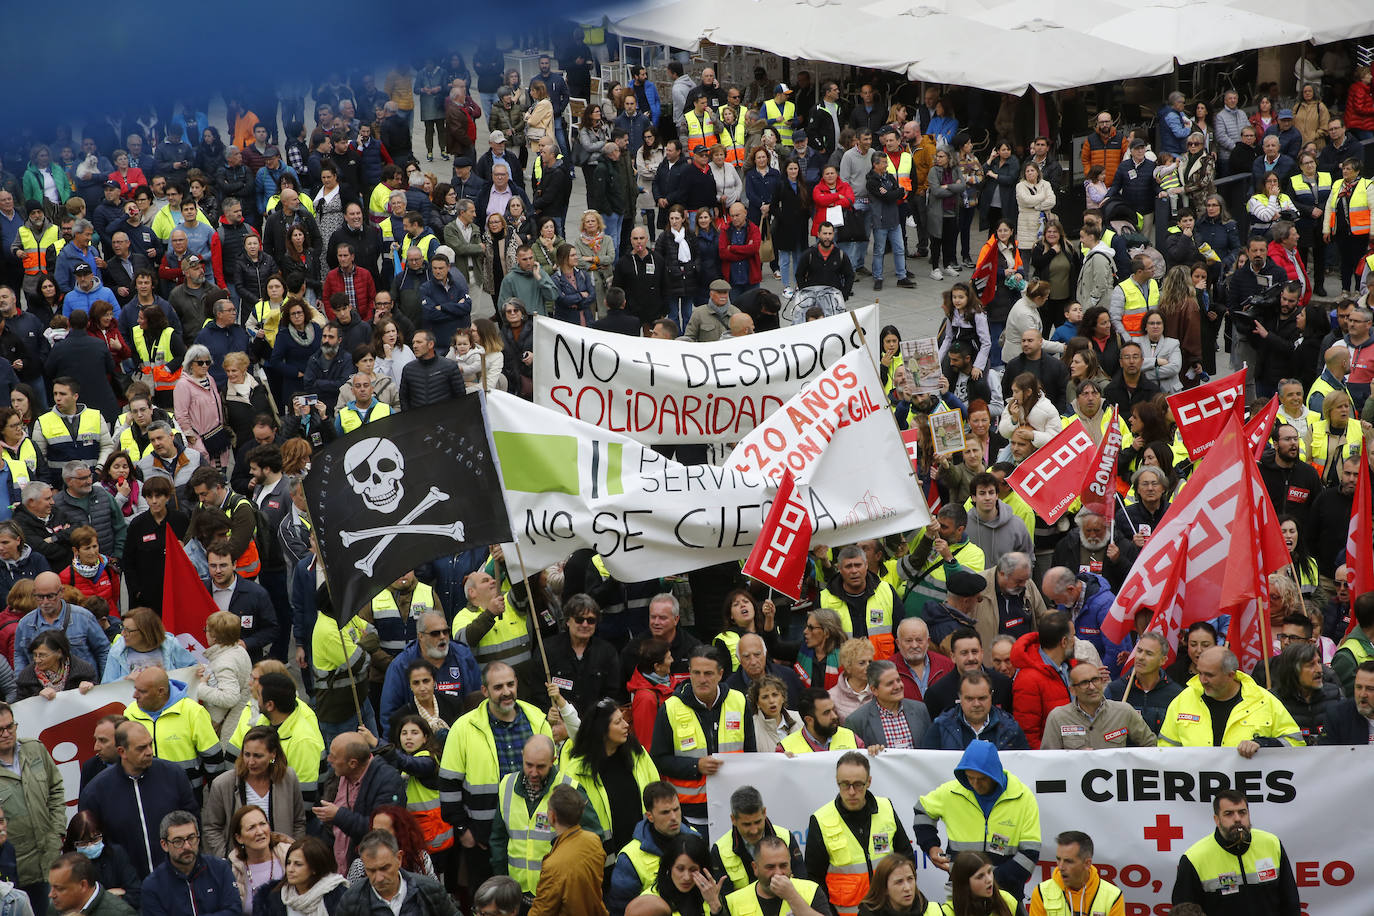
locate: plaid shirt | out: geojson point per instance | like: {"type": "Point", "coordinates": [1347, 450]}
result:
{"type": "Point", "coordinates": [348, 287]}
{"type": "Point", "coordinates": [510, 740]}
{"type": "Point", "coordinates": [896, 733]}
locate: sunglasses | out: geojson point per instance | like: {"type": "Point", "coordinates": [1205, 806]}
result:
{"type": "Point", "coordinates": [200, 362]}
{"type": "Point", "coordinates": [435, 634]}
{"type": "Point", "coordinates": [583, 619]}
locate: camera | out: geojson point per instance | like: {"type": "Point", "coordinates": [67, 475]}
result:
{"type": "Point", "coordinates": [1258, 307]}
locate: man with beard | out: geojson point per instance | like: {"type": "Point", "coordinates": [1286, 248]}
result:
{"type": "Point", "coordinates": [328, 370]}
{"type": "Point", "coordinates": [455, 669]}
{"type": "Point", "coordinates": [821, 729]}
{"type": "Point", "coordinates": [1237, 869]}
{"type": "Point", "coordinates": [1351, 721]}
{"type": "Point", "coordinates": [1292, 483]}
{"type": "Point", "coordinates": [1093, 548]}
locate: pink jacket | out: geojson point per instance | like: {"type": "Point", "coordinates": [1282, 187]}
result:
{"type": "Point", "coordinates": [198, 411]}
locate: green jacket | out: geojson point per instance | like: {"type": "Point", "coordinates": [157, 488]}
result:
{"type": "Point", "coordinates": [33, 183]}
{"type": "Point", "coordinates": [36, 808]}
{"type": "Point", "coordinates": [1344, 661]}
{"type": "Point", "coordinates": [538, 295]}
{"type": "Point", "coordinates": [107, 904]}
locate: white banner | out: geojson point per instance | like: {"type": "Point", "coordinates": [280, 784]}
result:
{"type": "Point", "coordinates": [679, 393]}
{"type": "Point", "coordinates": [1143, 807]}
{"type": "Point", "coordinates": [66, 723]}
{"type": "Point", "coordinates": [569, 485]}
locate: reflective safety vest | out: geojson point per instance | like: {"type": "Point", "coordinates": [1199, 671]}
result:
{"type": "Point", "coordinates": [1057, 903]}
{"type": "Point", "coordinates": [1258, 714]}
{"type": "Point", "coordinates": [22, 465]}
{"type": "Point", "coordinates": [469, 759]}
{"type": "Point", "coordinates": [901, 169]}
{"type": "Point", "coordinates": [1321, 385]}
{"type": "Point", "coordinates": [645, 864]}
{"type": "Point", "coordinates": [730, 639]}
{"type": "Point", "coordinates": [1133, 313]}
{"type": "Point", "coordinates": [1013, 820]}
{"type": "Point", "coordinates": [947, 909]}
{"type": "Point", "coordinates": [168, 219]}
{"type": "Point", "coordinates": [745, 901]}
{"type": "Point", "coordinates": [1359, 208]}
{"type": "Point", "coordinates": [780, 119]}
{"type": "Point", "coordinates": [63, 446]}
{"type": "Point", "coordinates": [35, 251]}
{"type": "Point", "coordinates": [690, 741]}
{"type": "Point", "coordinates": [732, 139]}
{"type": "Point", "coordinates": [424, 243]}
{"type": "Point", "coordinates": [1299, 186]}
{"type": "Point", "coordinates": [423, 802]}
{"type": "Point", "coordinates": [306, 202]}
{"type": "Point", "coordinates": [507, 641]}
{"type": "Point", "coordinates": [386, 616]}
{"type": "Point", "coordinates": [269, 319]}
{"type": "Point", "coordinates": [843, 740]}
{"type": "Point", "coordinates": [644, 772]}
{"type": "Point", "coordinates": [734, 865]}
{"type": "Point", "coordinates": [851, 865]}
{"type": "Point", "coordinates": [154, 365]}
{"type": "Point", "coordinates": [249, 564]}
{"type": "Point", "coordinates": [699, 130]}
{"type": "Point", "coordinates": [339, 661]}
{"type": "Point", "coordinates": [529, 833]}
{"type": "Point", "coordinates": [1356, 647]}
{"type": "Point", "coordinates": [301, 742]}
{"type": "Point", "coordinates": [379, 203]}
{"type": "Point", "coordinates": [350, 418]}
{"type": "Point", "coordinates": [881, 609]}
{"type": "Point", "coordinates": [183, 734]}
{"type": "Point", "coordinates": [538, 168]}
{"type": "Point", "coordinates": [1223, 873]}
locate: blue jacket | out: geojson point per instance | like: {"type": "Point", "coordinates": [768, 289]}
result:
{"type": "Point", "coordinates": [1097, 604]}
{"type": "Point", "coordinates": [625, 884]}
{"type": "Point", "coordinates": [446, 575]}
{"type": "Point", "coordinates": [458, 675]}
{"type": "Point", "coordinates": [221, 342]}
{"type": "Point", "coordinates": [1139, 191]}
{"type": "Point", "coordinates": [28, 566]}
{"type": "Point", "coordinates": [950, 732]}
{"type": "Point", "coordinates": [571, 304]}
{"type": "Point", "coordinates": [117, 663]}
{"type": "Point", "coordinates": [303, 601]}
{"type": "Point", "coordinates": [114, 798]}
{"type": "Point", "coordinates": [760, 190]}
{"type": "Point", "coordinates": [444, 311]}
{"type": "Point", "coordinates": [253, 606]}
{"type": "Point", "coordinates": [647, 96]}
{"type": "Point", "coordinates": [67, 259]}
{"type": "Point", "coordinates": [267, 183]}
{"type": "Point", "coordinates": [1173, 133]}
{"type": "Point", "coordinates": [76, 299]}
{"type": "Point", "coordinates": [88, 641]}
{"type": "Point", "coordinates": [210, 890]}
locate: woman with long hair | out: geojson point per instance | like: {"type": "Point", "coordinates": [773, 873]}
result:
{"type": "Point", "coordinates": [1179, 308]}
{"type": "Point", "coordinates": [260, 777]}
{"type": "Point", "coordinates": [517, 335]}
{"type": "Point", "coordinates": [1264, 115]}
{"type": "Point", "coordinates": [1001, 172]}
{"type": "Point", "coordinates": [1056, 260]}
{"type": "Point", "coordinates": [745, 614]}
{"type": "Point", "coordinates": [143, 643]}
{"type": "Point", "coordinates": [819, 657]}
{"type": "Point", "coordinates": [773, 721]}
{"type": "Point", "coordinates": [791, 212]}
{"type": "Point", "coordinates": [705, 239]}
{"type": "Point", "coordinates": [612, 768]}
{"type": "Point", "coordinates": [647, 160]}
{"type": "Point", "coordinates": [677, 254]}
{"type": "Point", "coordinates": [257, 853]}
{"type": "Point", "coordinates": [23, 400]}
{"type": "Point", "coordinates": [1035, 202]}
{"type": "Point", "coordinates": [1029, 406]}
{"type": "Point", "coordinates": [312, 885]}
{"type": "Point", "coordinates": [401, 824]}
{"type": "Point", "coordinates": [684, 881]}
{"type": "Point", "coordinates": [892, 891]}
{"type": "Point", "coordinates": [1003, 275]}
{"type": "Point", "coordinates": [575, 301]}
{"type": "Point", "coordinates": [974, 890]}
{"type": "Point", "coordinates": [298, 339]}
{"type": "Point", "coordinates": [595, 251]}
{"type": "Point", "coordinates": [1299, 555]}
{"type": "Point", "coordinates": [966, 320]}
{"type": "Point", "coordinates": [1081, 360]}
{"type": "Point", "coordinates": [1096, 326]}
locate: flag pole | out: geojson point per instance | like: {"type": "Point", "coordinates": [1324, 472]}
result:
{"type": "Point", "coordinates": [534, 620]}
{"type": "Point", "coordinates": [343, 646]}
{"type": "Point", "coordinates": [1130, 682]}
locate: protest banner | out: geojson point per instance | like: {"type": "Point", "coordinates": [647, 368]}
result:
{"type": "Point", "coordinates": [1143, 807]}
{"type": "Point", "coordinates": [569, 485]}
{"type": "Point", "coordinates": [65, 724]}
{"type": "Point", "coordinates": [1201, 412]}
{"type": "Point", "coordinates": [664, 392]}
{"type": "Point", "coordinates": [1053, 477]}
{"type": "Point", "coordinates": [1100, 487]}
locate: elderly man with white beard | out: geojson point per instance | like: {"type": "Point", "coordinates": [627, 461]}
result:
{"type": "Point", "coordinates": [455, 669]}
{"type": "Point", "coordinates": [1094, 547]}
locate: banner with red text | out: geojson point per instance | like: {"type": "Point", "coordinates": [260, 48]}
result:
{"type": "Point", "coordinates": [778, 559]}
{"type": "Point", "coordinates": [1143, 807]}
{"type": "Point", "coordinates": [1055, 473]}
{"type": "Point", "coordinates": [672, 392]}
{"type": "Point", "coordinates": [1200, 413]}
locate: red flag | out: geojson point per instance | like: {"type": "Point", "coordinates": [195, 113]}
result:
{"type": "Point", "coordinates": [1246, 637]}
{"type": "Point", "coordinates": [911, 438]}
{"type": "Point", "coordinates": [1257, 430]}
{"type": "Point", "coordinates": [1222, 532]}
{"type": "Point", "coordinates": [1052, 477]}
{"type": "Point", "coordinates": [1168, 613]}
{"type": "Point", "coordinates": [778, 559]}
{"type": "Point", "coordinates": [188, 604]}
{"type": "Point", "coordinates": [1359, 557]}
{"type": "Point", "coordinates": [1201, 412]}
{"type": "Point", "coordinates": [1100, 486]}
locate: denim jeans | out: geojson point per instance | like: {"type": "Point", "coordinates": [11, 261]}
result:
{"type": "Point", "coordinates": [856, 251]}
{"type": "Point", "coordinates": [787, 261]}
{"type": "Point", "coordinates": [486, 100]}
{"type": "Point", "coordinates": [613, 224]}
{"type": "Point", "coordinates": [995, 329]}
{"type": "Point", "coordinates": [560, 134]}
{"type": "Point", "coordinates": [331, 730]}
{"type": "Point", "coordinates": [883, 239]}
{"type": "Point", "coordinates": [680, 311]}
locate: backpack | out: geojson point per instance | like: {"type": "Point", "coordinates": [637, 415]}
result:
{"type": "Point", "coordinates": [265, 537]}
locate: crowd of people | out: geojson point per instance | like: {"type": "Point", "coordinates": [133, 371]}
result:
{"type": "Point", "coordinates": [184, 321]}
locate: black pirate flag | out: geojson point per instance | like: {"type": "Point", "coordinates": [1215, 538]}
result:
{"type": "Point", "coordinates": [400, 491]}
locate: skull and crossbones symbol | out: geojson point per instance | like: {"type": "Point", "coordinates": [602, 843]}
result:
{"type": "Point", "coordinates": [375, 468]}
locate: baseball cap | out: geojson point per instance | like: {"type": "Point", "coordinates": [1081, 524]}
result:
{"type": "Point", "coordinates": [699, 148]}
{"type": "Point", "coordinates": [798, 134]}
{"type": "Point", "coordinates": [192, 261]}
{"type": "Point", "coordinates": [110, 183]}
{"type": "Point", "coordinates": [782, 87]}
{"type": "Point", "coordinates": [272, 151]}
{"type": "Point", "coordinates": [496, 136]}
{"type": "Point", "coordinates": [82, 268]}
{"type": "Point", "coordinates": [1285, 113]}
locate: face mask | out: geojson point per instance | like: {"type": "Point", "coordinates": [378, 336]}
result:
{"type": "Point", "coordinates": [92, 851]}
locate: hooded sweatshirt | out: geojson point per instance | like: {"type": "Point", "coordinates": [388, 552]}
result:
{"type": "Point", "coordinates": [1004, 533]}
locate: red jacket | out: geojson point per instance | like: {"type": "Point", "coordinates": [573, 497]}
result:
{"type": "Point", "coordinates": [1037, 689]}
{"type": "Point", "coordinates": [104, 585]}
{"type": "Point", "coordinates": [1292, 265]}
{"type": "Point", "coordinates": [822, 198]}
{"type": "Point", "coordinates": [364, 290]}
{"type": "Point", "coordinates": [119, 347]}
{"type": "Point", "coordinates": [128, 183]}
{"type": "Point", "coordinates": [939, 666]}
{"type": "Point", "coordinates": [645, 699]}
{"type": "Point", "coordinates": [1359, 107]}
{"type": "Point", "coordinates": [749, 251]}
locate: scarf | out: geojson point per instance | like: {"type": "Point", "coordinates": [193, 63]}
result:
{"type": "Point", "coordinates": [57, 680]}
{"type": "Point", "coordinates": [304, 337]}
{"type": "Point", "coordinates": [655, 678]}
{"type": "Point", "coordinates": [433, 719]}
{"type": "Point", "coordinates": [684, 250]}
{"type": "Point", "coordinates": [310, 903]}
{"type": "Point", "coordinates": [90, 572]}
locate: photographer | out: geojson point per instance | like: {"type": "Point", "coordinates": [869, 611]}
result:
{"type": "Point", "coordinates": [1254, 280]}
{"type": "Point", "coordinates": [1277, 336]}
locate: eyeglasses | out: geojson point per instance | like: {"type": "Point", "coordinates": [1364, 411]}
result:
{"type": "Point", "coordinates": [852, 786]}
{"type": "Point", "coordinates": [1293, 637]}
{"type": "Point", "coordinates": [182, 841]}
{"type": "Point", "coordinates": [1099, 680]}
{"type": "Point", "coordinates": [46, 596]}
{"type": "Point", "coordinates": [812, 626]}
{"type": "Point", "coordinates": [435, 634]}
{"type": "Point", "coordinates": [6, 729]}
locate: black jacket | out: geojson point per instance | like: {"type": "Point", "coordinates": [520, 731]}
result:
{"type": "Point", "coordinates": [593, 676]}
{"type": "Point", "coordinates": [1119, 395]}
{"type": "Point", "coordinates": [1069, 550]}
{"type": "Point", "coordinates": [58, 551]}
{"type": "Point", "coordinates": [114, 799]}
{"type": "Point", "coordinates": [145, 559]}
{"type": "Point", "coordinates": [697, 189]}
{"type": "Point", "coordinates": [275, 230]}
{"type": "Point", "coordinates": [381, 785]}
{"type": "Point", "coordinates": [1345, 725]}
{"type": "Point", "coordinates": [86, 359]}
{"type": "Point", "coordinates": [1050, 370]}
{"type": "Point", "coordinates": [641, 278]}
{"type": "Point", "coordinates": [549, 193]}
{"type": "Point", "coordinates": [836, 271]}
{"type": "Point", "coordinates": [250, 279]}
{"type": "Point", "coordinates": [942, 693]}
{"type": "Point", "coordinates": [367, 248]}
{"type": "Point", "coordinates": [116, 275]}
{"type": "Point", "coordinates": [258, 618]}
{"type": "Point", "coordinates": [667, 186]}
{"type": "Point", "coordinates": [428, 381]}
{"type": "Point", "coordinates": [619, 321]}
{"type": "Point", "coordinates": [679, 279]}
{"type": "Point", "coordinates": [395, 136]}
{"type": "Point", "coordinates": [1293, 491]}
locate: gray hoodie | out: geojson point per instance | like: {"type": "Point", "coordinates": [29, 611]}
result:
{"type": "Point", "coordinates": [1004, 533]}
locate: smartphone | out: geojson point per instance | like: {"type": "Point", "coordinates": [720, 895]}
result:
{"type": "Point", "coordinates": [310, 399]}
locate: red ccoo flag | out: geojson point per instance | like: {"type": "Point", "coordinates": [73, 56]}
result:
{"type": "Point", "coordinates": [1100, 487]}
{"type": "Point", "coordinates": [1257, 429]}
{"type": "Point", "coordinates": [1201, 412]}
{"type": "Point", "coordinates": [188, 604]}
{"type": "Point", "coordinates": [1359, 543]}
{"type": "Point", "coordinates": [1053, 476]}
{"type": "Point", "coordinates": [778, 559]}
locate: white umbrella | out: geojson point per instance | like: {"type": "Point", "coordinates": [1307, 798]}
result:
{"type": "Point", "coordinates": [1193, 30]}
{"type": "Point", "coordinates": [681, 23]}
{"type": "Point", "coordinates": [1329, 20]}
{"type": "Point", "coordinates": [818, 30]}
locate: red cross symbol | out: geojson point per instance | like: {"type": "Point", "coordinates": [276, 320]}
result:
{"type": "Point", "coordinates": [1163, 833]}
